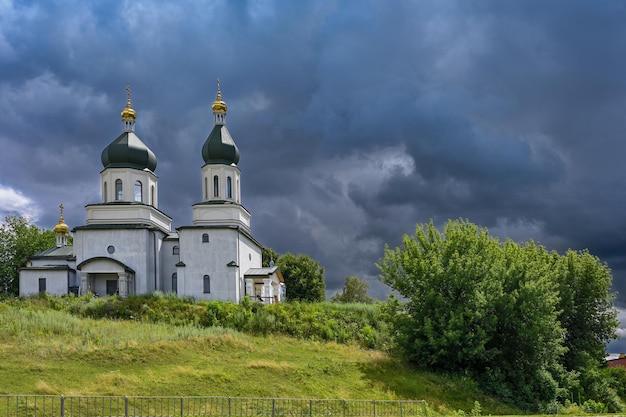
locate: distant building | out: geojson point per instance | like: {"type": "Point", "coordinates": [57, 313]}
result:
{"type": "Point", "coordinates": [127, 245]}
{"type": "Point", "coordinates": [618, 361]}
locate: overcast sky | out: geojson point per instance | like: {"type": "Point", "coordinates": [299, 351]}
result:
{"type": "Point", "coordinates": [355, 119]}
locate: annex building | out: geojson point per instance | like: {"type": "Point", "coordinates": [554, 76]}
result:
{"type": "Point", "coordinates": [127, 245]}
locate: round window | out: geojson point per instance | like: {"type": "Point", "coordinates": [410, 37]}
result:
{"type": "Point", "coordinates": [111, 249]}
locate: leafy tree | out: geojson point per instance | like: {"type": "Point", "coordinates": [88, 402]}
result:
{"type": "Point", "coordinates": [304, 278]}
{"type": "Point", "coordinates": [588, 316]}
{"type": "Point", "coordinates": [353, 291]}
{"type": "Point", "coordinates": [18, 240]}
{"type": "Point", "coordinates": [586, 305]}
{"type": "Point", "coordinates": [526, 349]}
{"type": "Point", "coordinates": [269, 255]}
{"type": "Point", "coordinates": [504, 313]}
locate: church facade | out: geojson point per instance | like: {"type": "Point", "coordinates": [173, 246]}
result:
{"type": "Point", "coordinates": [127, 245]}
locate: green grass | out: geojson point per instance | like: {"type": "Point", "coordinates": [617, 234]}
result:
{"type": "Point", "coordinates": [43, 351]}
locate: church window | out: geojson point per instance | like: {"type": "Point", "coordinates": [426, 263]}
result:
{"type": "Point", "coordinates": [152, 195]}
{"type": "Point", "coordinates": [206, 188]}
{"type": "Point", "coordinates": [138, 191]}
{"type": "Point", "coordinates": [216, 186]}
{"type": "Point", "coordinates": [229, 187]}
{"type": "Point", "coordinates": [42, 285]}
{"type": "Point", "coordinates": [119, 195]}
{"type": "Point", "coordinates": [104, 192]}
{"type": "Point", "coordinates": [175, 250]}
{"type": "Point", "coordinates": [206, 282]}
{"type": "Point", "coordinates": [205, 238]}
{"type": "Point", "coordinates": [175, 283]}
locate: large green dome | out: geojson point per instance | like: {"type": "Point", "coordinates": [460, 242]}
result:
{"type": "Point", "coordinates": [128, 151]}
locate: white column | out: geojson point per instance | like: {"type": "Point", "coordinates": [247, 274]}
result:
{"type": "Point", "coordinates": [250, 288]}
{"type": "Point", "coordinates": [122, 284]}
{"type": "Point", "coordinates": [180, 277]}
{"type": "Point", "coordinates": [268, 293]}
{"type": "Point", "coordinates": [84, 289]}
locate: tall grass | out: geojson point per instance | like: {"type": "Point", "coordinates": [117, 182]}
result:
{"type": "Point", "coordinates": [36, 326]}
{"type": "Point", "coordinates": [363, 324]}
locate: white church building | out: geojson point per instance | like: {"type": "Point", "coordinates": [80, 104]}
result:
{"type": "Point", "coordinates": [127, 245]}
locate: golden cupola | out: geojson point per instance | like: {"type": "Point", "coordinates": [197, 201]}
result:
{"type": "Point", "coordinates": [61, 230]}
{"type": "Point", "coordinates": [128, 114]}
{"type": "Point", "coordinates": [219, 106]}
{"type": "Point", "coordinates": [61, 227]}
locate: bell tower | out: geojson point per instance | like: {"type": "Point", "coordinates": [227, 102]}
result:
{"type": "Point", "coordinates": [129, 184]}
{"type": "Point", "coordinates": [221, 178]}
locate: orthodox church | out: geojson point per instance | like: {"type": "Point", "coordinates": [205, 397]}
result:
{"type": "Point", "coordinates": [127, 245]}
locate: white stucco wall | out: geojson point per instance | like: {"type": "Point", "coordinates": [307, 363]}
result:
{"type": "Point", "coordinates": [209, 258]}
{"type": "Point", "coordinates": [128, 176]}
{"type": "Point", "coordinates": [250, 257]}
{"type": "Point", "coordinates": [57, 281]}
{"type": "Point", "coordinates": [135, 248]}
{"type": "Point", "coordinates": [221, 215]}
{"type": "Point", "coordinates": [222, 172]}
{"type": "Point", "coordinates": [127, 214]}
{"type": "Point", "coordinates": [168, 264]}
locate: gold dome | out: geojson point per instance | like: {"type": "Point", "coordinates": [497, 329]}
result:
{"type": "Point", "coordinates": [61, 228]}
{"type": "Point", "coordinates": [128, 113]}
{"type": "Point", "coordinates": [219, 106]}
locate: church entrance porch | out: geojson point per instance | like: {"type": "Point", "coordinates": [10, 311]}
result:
{"type": "Point", "coordinates": [106, 284]}
{"type": "Point", "coordinates": [265, 285]}
{"type": "Point", "coordinates": [105, 276]}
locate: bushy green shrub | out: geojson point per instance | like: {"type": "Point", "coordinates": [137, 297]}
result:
{"type": "Point", "coordinates": [477, 410]}
{"type": "Point", "coordinates": [591, 406]}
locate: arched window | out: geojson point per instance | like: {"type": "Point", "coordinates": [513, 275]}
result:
{"type": "Point", "coordinates": [138, 191]}
{"type": "Point", "coordinates": [175, 250]}
{"type": "Point", "coordinates": [152, 195]}
{"type": "Point", "coordinates": [206, 188]}
{"type": "Point", "coordinates": [205, 238]}
{"type": "Point", "coordinates": [119, 194]}
{"type": "Point", "coordinates": [206, 283]}
{"type": "Point", "coordinates": [175, 283]}
{"type": "Point", "coordinates": [216, 186]}
{"type": "Point", "coordinates": [104, 193]}
{"type": "Point", "coordinates": [229, 187]}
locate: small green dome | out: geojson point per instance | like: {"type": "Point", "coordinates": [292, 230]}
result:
{"type": "Point", "coordinates": [220, 147]}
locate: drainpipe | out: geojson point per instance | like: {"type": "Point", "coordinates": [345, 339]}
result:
{"type": "Point", "coordinates": [154, 253]}
{"type": "Point", "coordinates": [238, 283]}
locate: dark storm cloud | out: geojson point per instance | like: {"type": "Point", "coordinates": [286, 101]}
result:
{"type": "Point", "coordinates": [355, 120]}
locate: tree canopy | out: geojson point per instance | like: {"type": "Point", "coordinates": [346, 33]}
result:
{"type": "Point", "coordinates": [354, 291]}
{"type": "Point", "coordinates": [523, 321]}
{"type": "Point", "coordinates": [304, 278]}
{"type": "Point", "coordinates": [18, 240]}
{"type": "Point", "coordinates": [269, 255]}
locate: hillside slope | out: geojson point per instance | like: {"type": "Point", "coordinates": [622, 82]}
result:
{"type": "Point", "coordinates": [54, 352]}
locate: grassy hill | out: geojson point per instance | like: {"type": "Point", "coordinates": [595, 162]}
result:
{"type": "Point", "coordinates": [46, 351]}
